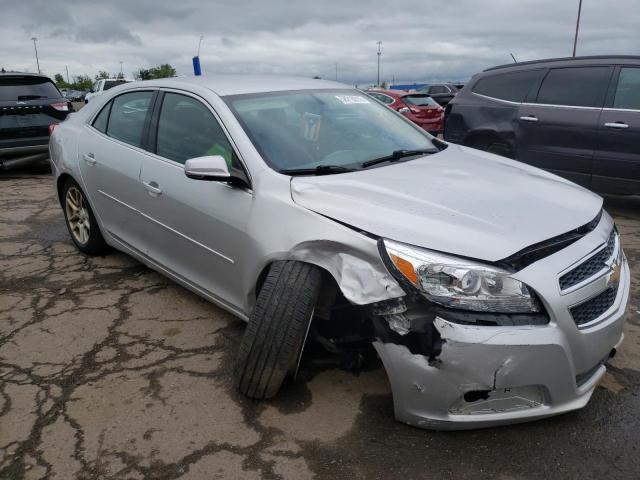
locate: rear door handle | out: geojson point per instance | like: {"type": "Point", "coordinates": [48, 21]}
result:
{"type": "Point", "coordinates": [89, 158]}
{"type": "Point", "coordinates": [616, 125]}
{"type": "Point", "coordinates": [152, 187]}
{"type": "Point", "coordinates": [529, 118]}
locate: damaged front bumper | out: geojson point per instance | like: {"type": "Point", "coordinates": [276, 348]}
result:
{"type": "Point", "coordinates": [457, 375]}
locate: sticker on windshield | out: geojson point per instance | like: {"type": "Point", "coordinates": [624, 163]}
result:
{"type": "Point", "coordinates": [351, 99]}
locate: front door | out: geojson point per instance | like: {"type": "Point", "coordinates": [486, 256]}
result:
{"type": "Point", "coordinates": [196, 228]}
{"type": "Point", "coordinates": [616, 163]}
{"type": "Point", "coordinates": [110, 158]}
{"type": "Point", "coordinates": [557, 131]}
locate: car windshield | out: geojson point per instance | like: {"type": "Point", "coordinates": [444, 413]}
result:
{"type": "Point", "coordinates": [311, 128]}
{"type": "Point", "coordinates": [420, 99]}
{"type": "Point", "coordinates": [27, 88]}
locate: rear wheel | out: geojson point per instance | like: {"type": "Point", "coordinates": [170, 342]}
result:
{"type": "Point", "coordinates": [274, 339]}
{"type": "Point", "coordinates": [81, 222]}
{"type": "Point", "coordinates": [493, 145]}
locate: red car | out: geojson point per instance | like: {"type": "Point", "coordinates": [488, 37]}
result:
{"type": "Point", "coordinates": [420, 108]}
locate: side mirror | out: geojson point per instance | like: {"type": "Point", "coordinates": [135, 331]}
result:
{"type": "Point", "coordinates": [212, 168]}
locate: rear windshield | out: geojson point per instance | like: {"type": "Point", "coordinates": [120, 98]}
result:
{"type": "Point", "coordinates": [27, 88]}
{"type": "Point", "coordinates": [113, 83]}
{"type": "Point", "coordinates": [421, 100]}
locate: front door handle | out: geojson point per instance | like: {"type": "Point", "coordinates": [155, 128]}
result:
{"type": "Point", "coordinates": [616, 125]}
{"type": "Point", "coordinates": [89, 158]}
{"type": "Point", "coordinates": [529, 118]}
{"type": "Point", "coordinates": [153, 188]}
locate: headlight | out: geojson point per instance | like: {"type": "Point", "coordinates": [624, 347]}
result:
{"type": "Point", "coordinates": [461, 283]}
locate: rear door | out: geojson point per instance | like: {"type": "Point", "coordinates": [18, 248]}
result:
{"type": "Point", "coordinates": [196, 229]}
{"type": "Point", "coordinates": [110, 153]}
{"type": "Point", "coordinates": [557, 130]}
{"type": "Point", "coordinates": [616, 162]}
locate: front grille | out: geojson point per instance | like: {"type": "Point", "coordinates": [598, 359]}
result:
{"type": "Point", "coordinates": [594, 307]}
{"type": "Point", "coordinates": [589, 267]}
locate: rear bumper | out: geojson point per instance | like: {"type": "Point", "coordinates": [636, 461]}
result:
{"type": "Point", "coordinates": [23, 146]}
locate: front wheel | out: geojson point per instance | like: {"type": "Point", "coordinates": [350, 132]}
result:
{"type": "Point", "coordinates": [81, 222]}
{"type": "Point", "coordinates": [274, 339]}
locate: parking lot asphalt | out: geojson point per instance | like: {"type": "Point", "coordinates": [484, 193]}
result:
{"type": "Point", "coordinates": [109, 370]}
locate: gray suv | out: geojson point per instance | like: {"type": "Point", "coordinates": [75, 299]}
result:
{"type": "Point", "coordinates": [576, 117]}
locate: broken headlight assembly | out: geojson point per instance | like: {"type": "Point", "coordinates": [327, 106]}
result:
{"type": "Point", "coordinates": [460, 283]}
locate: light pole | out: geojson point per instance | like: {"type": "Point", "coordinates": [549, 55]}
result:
{"type": "Point", "coordinates": [35, 39]}
{"type": "Point", "coordinates": [379, 54]}
{"type": "Point", "coordinates": [575, 38]}
{"type": "Point", "coordinates": [121, 74]}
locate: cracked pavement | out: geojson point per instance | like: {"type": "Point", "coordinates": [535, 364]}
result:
{"type": "Point", "coordinates": [110, 371]}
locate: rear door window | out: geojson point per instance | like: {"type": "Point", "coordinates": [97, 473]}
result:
{"type": "Point", "coordinates": [187, 129]}
{"type": "Point", "coordinates": [421, 100]}
{"type": "Point", "coordinates": [438, 89]}
{"type": "Point", "coordinates": [513, 86]}
{"type": "Point", "coordinates": [27, 88]}
{"type": "Point", "coordinates": [577, 86]}
{"type": "Point", "coordinates": [387, 100]}
{"type": "Point", "coordinates": [128, 115]}
{"type": "Point", "coordinates": [628, 89]}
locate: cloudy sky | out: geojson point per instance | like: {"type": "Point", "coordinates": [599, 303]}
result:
{"type": "Point", "coordinates": [423, 40]}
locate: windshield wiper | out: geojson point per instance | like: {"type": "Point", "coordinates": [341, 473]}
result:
{"type": "Point", "coordinates": [396, 155]}
{"type": "Point", "coordinates": [319, 170]}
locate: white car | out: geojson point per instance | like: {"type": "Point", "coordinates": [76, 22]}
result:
{"type": "Point", "coordinates": [102, 85]}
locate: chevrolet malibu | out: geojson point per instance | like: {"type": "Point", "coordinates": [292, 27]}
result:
{"type": "Point", "coordinates": [493, 292]}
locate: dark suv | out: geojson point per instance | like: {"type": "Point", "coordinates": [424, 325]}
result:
{"type": "Point", "coordinates": [29, 103]}
{"type": "Point", "coordinates": [442, 93]}
{"type": "Point", "coordinates": [577, 117]}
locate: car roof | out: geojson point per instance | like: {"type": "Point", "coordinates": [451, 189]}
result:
{"type": "Point", "coordinates": [22, 74]}
{"type": "Point", "coordinates": [227, 84]}
{"type": "Point", "coordinates": [565, 61]}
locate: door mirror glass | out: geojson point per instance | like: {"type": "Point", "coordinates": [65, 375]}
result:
{"type": "Point", "coordinates": [211, 167]}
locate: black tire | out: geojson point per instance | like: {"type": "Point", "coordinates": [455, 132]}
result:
{"type": "Point", "coordinates": [93, 243]}
{"type": "Point", "coordinates": [277, 329]}
{"type": "Point", "coordinates": [501, 149]}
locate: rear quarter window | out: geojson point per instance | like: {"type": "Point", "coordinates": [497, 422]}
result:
{"type": "Point", "coordinates": [513, 86]}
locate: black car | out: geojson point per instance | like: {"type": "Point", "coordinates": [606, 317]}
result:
{"type": "Point", "coordinates": [442, 93]}
{"type": "Point", "coordinates": [577, 117]}
{"type": "Point", "coordinates": [29, 103]}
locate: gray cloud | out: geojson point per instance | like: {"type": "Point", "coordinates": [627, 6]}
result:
{"type": "Point", "coordinates": [422, 40]}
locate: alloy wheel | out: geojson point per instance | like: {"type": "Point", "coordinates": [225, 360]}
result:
{"type": "Point", "coordinates": [77, 215]}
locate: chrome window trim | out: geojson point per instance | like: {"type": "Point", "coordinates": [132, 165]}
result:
{"type": "Point", "coordinates": [614, 109]}
{"type": "Point", "coordinates": [531, 104]}
{"type": "Point", "coordinates": [511, 102]}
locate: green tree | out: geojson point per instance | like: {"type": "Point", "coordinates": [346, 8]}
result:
{"type": "Point", "coordinates": [162, 71]}
{"type": "Point", "coordinates": [59, 79]}
{"type": "Point", "coordinates": [102, 74]}
{"type": "Point", "coordinates": [82, 82]}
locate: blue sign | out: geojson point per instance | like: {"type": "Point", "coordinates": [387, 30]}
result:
{"type": "Point", "coordinates": [196, 66]}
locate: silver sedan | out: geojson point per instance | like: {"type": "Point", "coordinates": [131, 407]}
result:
{"type": "Point", "coordinates": [492, 291]}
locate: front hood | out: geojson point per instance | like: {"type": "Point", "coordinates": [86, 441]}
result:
{"type": "Point", "coordinates": [460, 201]}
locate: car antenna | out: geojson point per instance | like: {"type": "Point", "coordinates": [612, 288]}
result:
{"type": "Point", "coordinates": [514, 58]}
